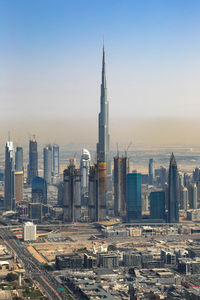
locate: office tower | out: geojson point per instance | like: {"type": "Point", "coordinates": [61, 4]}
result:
{"type": "Point", "coordinates": [85, 170]}
{"type": "Point", "coordinates": [134, 199]}
{"type": "Point", "coordinates": [196, 175]}
{"type": "Point", "coordinates": [9, 201]}
{"type": "Point", "coordinates": [19, 159]}
{"type": "Point", "coordinates": [93, 194]}
{"type": "Point", "coordinates": [121, 169]}
{"type": "Point", "coordinates": [157, 205]}
{"type": "Point", "coordinates": [19, 186]}
{"type": "Point", "coordinates": [173, 192]}
{"type": "Point", "coordinates": [33, 160]}
{"type": "Point", "coordinates": [39, 190]}
{"type": "Point", "coordinates": [151, 171]}
{"type": "Point", "coordinates": [72, 197]}
{"type": "Point", "coordinates": [56, 160]}
{"type": "Point", "coordinates": [192, 196]}
{"type": "Point", "coordinates": [184, 198]}
{"type": "Point", "coordinates": [47, 161]}
{"type": "Point", "coordinates": [103, 146]}
{"type": "Point", "coordinates": [60, 193]}
{"type": "Point", "coordinates": [19, 176]}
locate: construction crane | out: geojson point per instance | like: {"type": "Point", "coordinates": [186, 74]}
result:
{"type": "Point", "coordinates": [127, 148]}
{"type": "Point", "coordinates": [117, 150]}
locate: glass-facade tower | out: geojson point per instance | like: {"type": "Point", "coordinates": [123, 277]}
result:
{"type": "Point", "coordinates": [47, 160]}
{"type": "Point", "coordinates": [157, 205]}
{"type": "Point", "coordinates": [56, 160]}
{"type": "Point", "coordinates": [33, 160]}
{"type": "Point", "coordinates": [103, 145]}
{"type": "Point", "coordinates": [9, 190]}
{"type": "Point", "coordinates": [173, 192]}
{"type": "Point", "coordinates": [134, 198]}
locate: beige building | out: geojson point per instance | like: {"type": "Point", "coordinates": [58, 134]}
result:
{"type": "Point", "coordinates": [19, 186]}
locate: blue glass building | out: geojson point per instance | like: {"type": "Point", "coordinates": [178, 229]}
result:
{"type": "Point", "coordinates": [157, 205]}
{"type": "Point", "coordinates": [39, 190]}
{"type": "Point", "coordinates": [134, 198]}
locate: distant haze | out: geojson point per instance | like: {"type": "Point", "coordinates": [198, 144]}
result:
{"type": "Point", "coordinates": [155, 132]}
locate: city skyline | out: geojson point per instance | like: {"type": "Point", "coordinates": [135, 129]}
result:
{"type": "Point", "coordinates": [153, 70]}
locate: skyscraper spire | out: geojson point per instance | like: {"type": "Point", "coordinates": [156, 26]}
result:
{"type": "Point", "coordinates": [103, 146]}
{"type": "Point", "coordinates": [103, 68]}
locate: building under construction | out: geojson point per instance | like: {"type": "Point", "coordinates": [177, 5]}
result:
{"type": "Point", "coordinates": [121, 169]}
{"type": "Point", "coordinates": [97, 192]}
{"type": "Point", "coordinates": [72, 197]}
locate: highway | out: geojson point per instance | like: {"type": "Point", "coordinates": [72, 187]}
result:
{"type": "Point", "coordinates": [52, 289]}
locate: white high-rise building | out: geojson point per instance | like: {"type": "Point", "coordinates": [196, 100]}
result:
{"type": "Point", "coordinates": [85, 170]}
{"type": "Point", "coordinates": [29, 232]}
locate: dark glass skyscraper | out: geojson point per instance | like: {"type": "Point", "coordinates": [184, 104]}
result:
{"type": "Point", "coordinates": [157, 205]}
{"type": "Point", "coordinates": [103, 146]}
{"type": "Point", "coordinates": [134, 198]}
{"type": "Point", "coordinates": [56, 160]}
{"type": "Point", "coordinates": [39, 190]}
{"type": "Point", "coordinates": [19, 159]}
{"type": "Point", "coordinates": [72, 196]}
{"type": "Point", "coordinates": [47, 160]}
{"type": "Point", "coordinates": [9, 190]}
{"type": "Point", "coordinates": [121, 169]}
{"type": "Point", "coordinates": [33, 160]}
{"type": "Point", "coordinates": [173, 192]}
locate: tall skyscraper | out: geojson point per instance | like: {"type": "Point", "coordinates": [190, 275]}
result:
{"type": "Point", "coordinates": [19, 175]}
{"type": "Point", "coordinates": [56, 160]}
{"type": "Point", "coordinates": [121, 169]}
{"type": "Point", "coordinates": [173, 192]}
{"type": "Point", "coordinates": [85, 170]}
{"type": "Point", "coordinates": [192, 196]}
{"type": "Point", "coordinates": [97, 192]}
{"type": "Point", "coordinates": [93, 194]}
{"type": "Point", "coordinates": [33, 160]}
{"type": "Point", "coordinates": [151, 171]}
{"type": "Point", "coordinates": [9, 190]}
{"type": "Point", "coordinates": [72, 198]}
{"type": "Point", "coordinates": [183, 198]}
{"type": "Point", "coordinates": [39, 190]}
{"type": "Point", "coordinates": [47, 161]}
{"type": "Point", "coordinates": [19, 159]}
{"type": "Point", "coordinates": [157, 205]}
{"type": "Point", "coordinates": [134, 198]}
{"type": "Point", "coordinates": [103, 146]}
{"type": "Point", "coordinates": [19, 187]}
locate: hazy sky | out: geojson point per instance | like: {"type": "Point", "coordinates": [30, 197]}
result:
{"type": "Point", "coordinates": [50, 69]}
